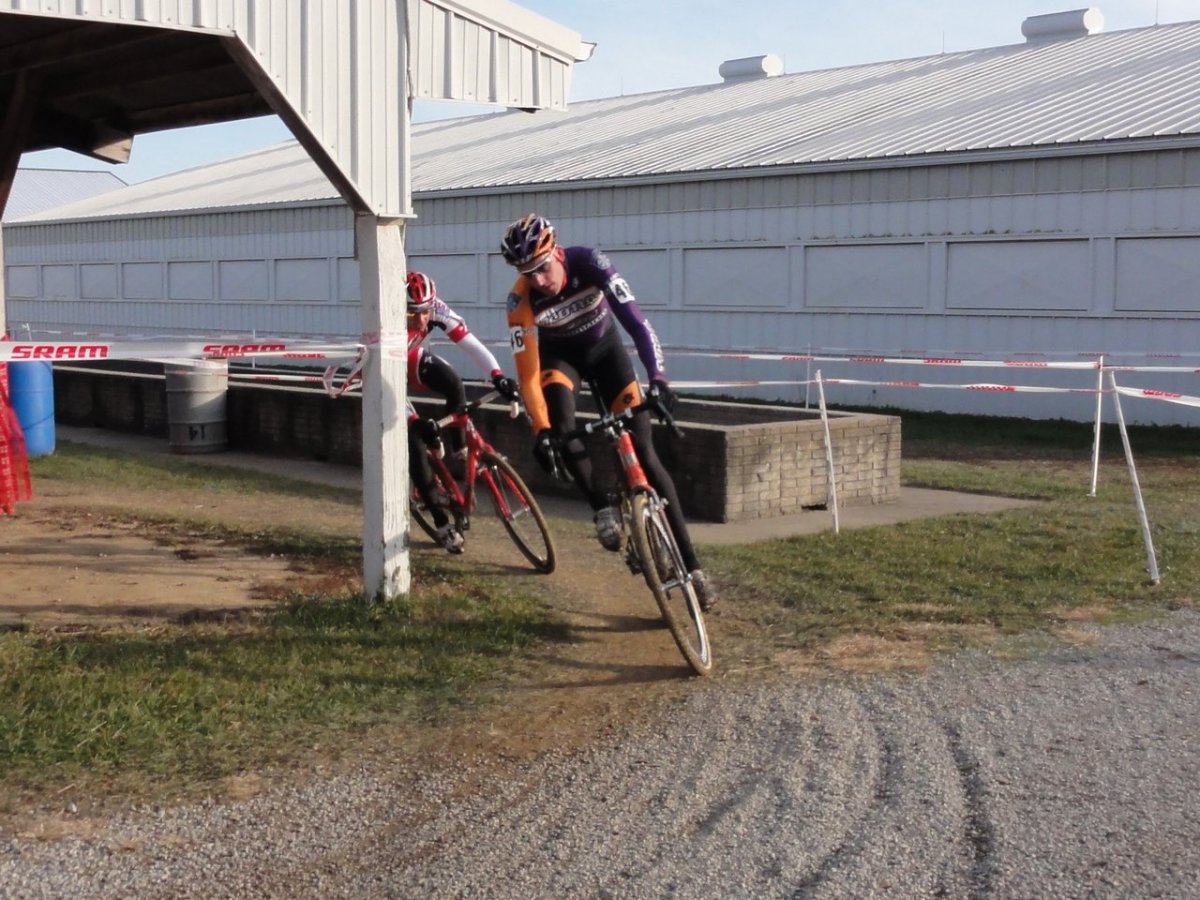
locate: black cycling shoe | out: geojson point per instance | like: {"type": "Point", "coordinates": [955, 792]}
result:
{"type": "Point", "coordinates": [608, 528]}
{"type": "Point", "coordinates": [706, 593]}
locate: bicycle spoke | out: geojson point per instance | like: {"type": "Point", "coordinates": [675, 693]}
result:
{"type": "Point", "coordinates": [667, 578]}
{"type": "Point", "coordinates": [518, 511]}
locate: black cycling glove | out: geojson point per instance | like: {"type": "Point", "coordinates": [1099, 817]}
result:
{"type": "Point", "coordinates": [661, 391]}
{"type": "Point", "coordinates": [506, 386]}
{"type": "Point", "coordinates": [545, 450]}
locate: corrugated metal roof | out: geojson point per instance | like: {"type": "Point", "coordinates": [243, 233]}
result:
{"type": "Point", "coordinates": [36, 189]}
{"type": "Point", "coordinates": [1126, 85]}
{"type": "Point", "coordinates": [282, 174]}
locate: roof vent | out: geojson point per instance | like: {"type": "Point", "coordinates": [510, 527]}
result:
{"type": "Point", "coordinates": [749, 67]}
{"type": "Point", "coordinates": [1074, 23]}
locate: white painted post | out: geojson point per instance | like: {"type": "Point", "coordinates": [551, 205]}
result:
{"type": "Point", "coordinates": [1096, 436]}
{"type": "Point", "coordinates": [831, 496]}
{"type": "Point", "coordinates": [1151, 561]}
{"type": "Point", "coordinates": [381, 266]}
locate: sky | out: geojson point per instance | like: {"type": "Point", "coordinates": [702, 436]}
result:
{"type": "Point", "coordinates": [646, 46]}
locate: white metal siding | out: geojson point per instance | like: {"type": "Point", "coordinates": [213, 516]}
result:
{"type": "Point", "coordinates": [963, 259]}
{"type": "Point", "coordinates": [1059, 255]}
{"type": "Point", "coordinates": [279, 272]}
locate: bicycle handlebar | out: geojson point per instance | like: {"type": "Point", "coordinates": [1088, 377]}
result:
{"type": "Point", "coordinates": [514, 408]}
{"type": "Point", "coordinates": [609, 419]}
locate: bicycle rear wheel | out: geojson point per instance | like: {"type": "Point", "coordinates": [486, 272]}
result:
{"type": "Point", "coordinates": [518, 512]}
{"type": "Point", "coordinates": [667, 578]}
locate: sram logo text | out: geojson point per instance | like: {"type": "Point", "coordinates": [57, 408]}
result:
{"type": "Point", "coordinates": [242, 349]}
{"type": "Point", "coordinates": [60, 351]}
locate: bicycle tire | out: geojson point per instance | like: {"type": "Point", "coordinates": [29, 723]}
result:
{"type": "Point", "coordinates": [518, 512]}
{"type": "Point", "coordinates": [419, 514]}
{"type": "Point", "coordinates": [667, 578]}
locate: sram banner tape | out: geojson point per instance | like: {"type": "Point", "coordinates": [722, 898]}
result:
{"type": "Point", "coordinates": [15, 351]}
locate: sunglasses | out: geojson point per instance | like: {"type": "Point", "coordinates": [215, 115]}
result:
{"type": "Point", "coordinates": [541, 268]}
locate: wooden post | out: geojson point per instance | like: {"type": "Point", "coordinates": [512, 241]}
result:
{"type": "Point", "coordinates": [3, 280]}
{"type": "Point", "coordinates": [381, 266]}
{"type": "Point", "coordinates": [14, 133]}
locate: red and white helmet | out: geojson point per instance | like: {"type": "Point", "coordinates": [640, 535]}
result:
{"type": "Point", "coordinates": [421, 292]}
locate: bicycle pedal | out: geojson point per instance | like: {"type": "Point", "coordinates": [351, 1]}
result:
{"type": "Point", "coordinates": [634, 564]}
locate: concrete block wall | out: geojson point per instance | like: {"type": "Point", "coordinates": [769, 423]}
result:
{"type": "Point", "coordinates": [120, 401]}
{"type": "Point", "coordinates": [735, 462]}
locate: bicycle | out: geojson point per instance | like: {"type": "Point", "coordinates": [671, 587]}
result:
{"type": "Point", "coordinates": [512, 501]}
{"type": "Point", "coordinates": [652, 550]}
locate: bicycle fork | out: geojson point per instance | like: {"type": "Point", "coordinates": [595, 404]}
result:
{"type": "Point", "coordinates": [635, 476]}
{"type": "Point", "coordinates": [635, 483]}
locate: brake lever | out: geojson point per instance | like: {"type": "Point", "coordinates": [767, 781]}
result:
{"type": "Point", "coordinates": [664, 415]}
{"type": "Point", "coordinates": [560, 470]}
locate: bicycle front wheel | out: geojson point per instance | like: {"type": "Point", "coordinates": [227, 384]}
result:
{"type": "Point", "coordinates": [667, 578]}
{"type": "Point", "coordinates": [518, 512]}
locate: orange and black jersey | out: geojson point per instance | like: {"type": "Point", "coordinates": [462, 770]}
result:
{"type": "Point", "coordinates": [568, 324]}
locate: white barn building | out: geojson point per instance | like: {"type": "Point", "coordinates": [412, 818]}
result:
{"type": "Point", "coordinates": [1037, 198]}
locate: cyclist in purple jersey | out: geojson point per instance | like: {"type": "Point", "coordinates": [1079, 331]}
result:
{"type": "Point", "coordinates": [562, 315]}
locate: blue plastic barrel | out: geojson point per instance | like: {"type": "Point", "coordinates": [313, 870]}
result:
{"type": "Point", "coordinates": [31, 389]}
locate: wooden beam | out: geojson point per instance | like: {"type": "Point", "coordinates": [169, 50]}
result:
{"type": "Point", "coordinates": [14, 133]}
{"type": "Point", "coordinates": [193, 61]}
{"type": "Point", "coordinates": [243, 105]}
{"type": "Point", "coordinates": [15, 123]}
{"type": "Point", "coordinates": [73, 43]}
{"type": "Point", "coordinates": [106, 141]}
{"type": "Point", "coordinates": [111, 139]}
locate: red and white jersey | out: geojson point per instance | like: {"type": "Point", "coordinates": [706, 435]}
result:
{"type": "Point", "coordinates": [443, 317]}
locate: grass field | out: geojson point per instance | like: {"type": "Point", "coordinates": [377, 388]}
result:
{"type": "Point", "coordinates": [145, 711]}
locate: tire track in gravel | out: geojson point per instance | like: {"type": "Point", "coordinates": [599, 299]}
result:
{"type": "Point", "coordinates": [1063, 776]}
{"type": "Point", "coordinates": [980, 832]}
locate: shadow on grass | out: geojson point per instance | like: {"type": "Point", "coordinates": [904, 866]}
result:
{"type": "Point", "coordinates": [205, 700]}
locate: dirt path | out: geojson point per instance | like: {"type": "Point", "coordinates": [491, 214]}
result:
{"type": "Point", "coordinates": [621, 661]}
{"type": "Point", "coordinates": [83, 557]}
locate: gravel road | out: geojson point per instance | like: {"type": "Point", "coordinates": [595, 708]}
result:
{"type": "Point", "coordinates": [1069, 773]}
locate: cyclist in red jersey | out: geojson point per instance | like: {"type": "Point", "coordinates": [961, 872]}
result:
{"type": "Point", "coordinates": [429, 371]}
{"type": "Point", "coordinates": [563, 312]}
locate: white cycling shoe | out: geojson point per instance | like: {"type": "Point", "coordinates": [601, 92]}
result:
{"type": "Point", "coordinates": [450, 538]}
